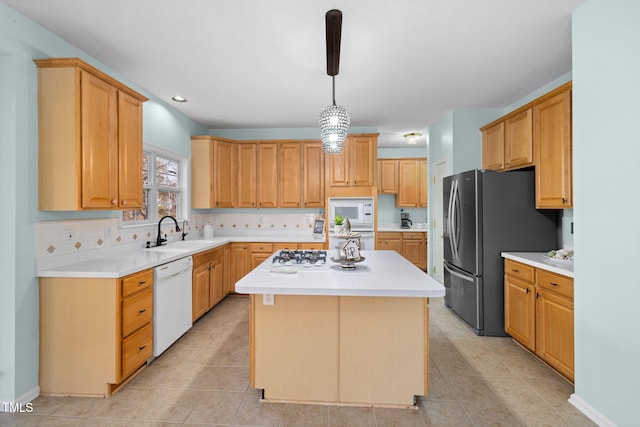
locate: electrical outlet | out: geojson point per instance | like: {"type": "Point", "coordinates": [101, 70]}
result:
{"type": "Point", "coordinates": [68, 236]}
{"type": "Point", "coordinates": [268, 299]}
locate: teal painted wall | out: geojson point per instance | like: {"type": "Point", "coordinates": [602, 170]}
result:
{"type": "Point", "coordinates": [606, 146]}
{"type": "Point", "coordinates": [21, 41]}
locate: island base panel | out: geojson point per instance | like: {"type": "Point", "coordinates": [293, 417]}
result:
{"type": "Point", "coordinates": [296, 348]}
{"type": "Point", "coordinates": [351, 350]}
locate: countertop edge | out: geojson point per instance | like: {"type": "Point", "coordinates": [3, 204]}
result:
{"type": "Point", "coordinates": [535, 259]}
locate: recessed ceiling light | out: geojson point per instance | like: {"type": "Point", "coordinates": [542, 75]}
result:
{"type": "Point", "coordinates": [178, 98]}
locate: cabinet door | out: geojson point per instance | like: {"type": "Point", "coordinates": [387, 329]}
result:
{"type": "Point", "coordinates": [216, 281]}
{"type": "Point", "coordinates": [554, 329]}
{"type": "Point", "coordinates": [337, 168]}
{"type": "Point", "coordinates": [202, 173]}
{"type": "Point", "coordinates": [423, 185]}
{"type": "Point", "coordinates": [312, 175]}
{"type": "Point", "coordinates": [388, 176]}
{"type": "Point", "coordinates": [518, 141]}
{"type": "Point", "coordinates": [246, 175]}
{"type": "Point", "coordinates": [552, 142]}
{"type": "Point", "coordinates": [519, 311]}
{"type": "Point", "coordinates": [493, 147]}
{"type": "Point", "coordinates": [408, 183]}
{"type": "Point", "coordinates": [223, 172]}
{"type": "Point", "coordinates": [267, 175]}
{"type": "Point", "coordinates": [362, 161]}
{"type": "Point", "coordinates": [227, 270]}
{"type": "Point", "coordinates": [415, 251]}
{"type": "Point", "coordinates": [289, 166]}
{"type": "Point", "coordinates": [200, 293]}
{"type": "Point", "coordinates": [389, 242]}
{"type": "Point", "coordinates": [241, 256]}
{"type": "Point", "coordinates": [129, 151]}
{"type": "Point", "coordinates": [99, 143]}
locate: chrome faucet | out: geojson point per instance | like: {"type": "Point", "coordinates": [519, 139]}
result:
{"type": "Point", "coordinates": [184, 228]}
{"type": "Point", "coordinates": [159, 240]}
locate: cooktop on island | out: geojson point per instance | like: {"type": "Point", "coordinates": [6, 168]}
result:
{"type": "Point", "coordinates": [296, 259]}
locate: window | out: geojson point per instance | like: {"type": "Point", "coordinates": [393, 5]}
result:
{"type": "Point", "coordinates": [163, 192]}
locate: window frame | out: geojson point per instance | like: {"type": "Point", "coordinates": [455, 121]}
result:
{"type": "Point", "coordinates": [182, 212]}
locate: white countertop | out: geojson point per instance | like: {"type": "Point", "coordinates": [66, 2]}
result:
{"type": "Point", "coordinates": [537, 259]}
{"type": "Point", "coordinates": [119, 261]}
{"type": "Point", "coordinates": [382, 273]}
{"type": "Point", "coordinates": [396, 227]}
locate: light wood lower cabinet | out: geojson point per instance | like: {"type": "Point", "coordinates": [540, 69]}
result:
{"type": "Point", "coordinates": [94, 333]}
{"type": "Point", "coordinates": [208, 285]}
{"type": "Point", "coordinates": [411, 245]}
{"type": "Point", "coordinates": [539, 314]}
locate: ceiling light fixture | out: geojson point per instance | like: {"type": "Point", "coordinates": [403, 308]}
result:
{"type": "Point", "coordinates": [179, 98]}
{"type": "Point", "coordinates": [334, 119]}
{"type": "Point", "coordinates": [412, 137]}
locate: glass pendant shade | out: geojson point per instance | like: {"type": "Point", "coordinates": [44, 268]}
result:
{"type": "Point", "coordinates": [334, 122]}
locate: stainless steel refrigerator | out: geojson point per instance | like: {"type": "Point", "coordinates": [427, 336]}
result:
{"type": "Point", "coordinates": [486, 213]}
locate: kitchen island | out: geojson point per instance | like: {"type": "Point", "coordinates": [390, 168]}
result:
{"type": "Point", "coordinates": [354, 337]}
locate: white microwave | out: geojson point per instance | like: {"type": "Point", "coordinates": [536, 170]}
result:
{"type": "Point", "coordinates": [359, 210]}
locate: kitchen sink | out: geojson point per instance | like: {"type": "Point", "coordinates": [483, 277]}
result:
{"type": "Point", "coordinates": [182, 246]}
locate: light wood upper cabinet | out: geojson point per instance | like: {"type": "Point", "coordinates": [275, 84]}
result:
{"type": "Point", "coordinates": [508, 144]}
{"type": "Point", "coordinates": [518, 140]}
{"type": "Point", "coordinates": [537, 134]}
{"type": "Point", "coordinates": [387, 176]}
{"type": "Point", "coordinates": [312, 175]}
{"type": "Point", "coordinates": [553, 147]}
{"type": "Point", "coordinates": [267, 175]}
{"type": "Point", "coordinates": [290, 176]}
{"type": "Point", "coordinates": [356, 165]}
{"type": "Point", "coordinates": [212, 172]}
{"type": "Point", "coordinates": [246, 194]}
{"type": "Point", "coordinates": [493, 146]}
{"type": "Point", "coordinates": [408, 183]}
{"type": "Point", "coordinates": [90, 138]}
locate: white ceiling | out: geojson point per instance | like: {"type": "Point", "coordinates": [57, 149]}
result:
{"type": "Point", "coordinates": [262, 64]}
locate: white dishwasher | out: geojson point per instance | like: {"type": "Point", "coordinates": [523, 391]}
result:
{"type": "Point", "coordinates": [171, 303]}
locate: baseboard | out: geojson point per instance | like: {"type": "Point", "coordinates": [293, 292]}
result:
{"type": "Point", "coordinates": [22, 403]}
{"type": "Point", "coordinates": [591, 413]}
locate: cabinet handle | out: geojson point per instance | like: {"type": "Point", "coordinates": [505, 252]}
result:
{"type": "Point", "coordinates": [142, 282]}
{"type": "Point", "coordinates": [564, 201]}
{"type": "Point", "coordinates": [114, 201]}
{"type": "Point", "coordinates": [124, 203]}
{"type": "Point", "coordinates": [553, 284]}
{"type": "Point", "coordinates": [142, 348]}
{"type": "Point", "coordinates": [514, 271]}
{"type": "Point", "coordinates": [537, 294]}
{"type": "Point", "coordinates": [142, 311]}
{"type": "Point", "coordinates": [527, 291]}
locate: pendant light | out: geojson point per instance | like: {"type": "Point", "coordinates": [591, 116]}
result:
{"type": "Point", "coordinates": [334, 119]}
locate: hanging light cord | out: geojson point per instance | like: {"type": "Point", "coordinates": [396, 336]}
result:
{"type": "Point", "coordinates": [333, 93]}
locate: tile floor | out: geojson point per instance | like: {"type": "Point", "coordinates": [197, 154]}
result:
{"type": "Point", "coordinates": [203, 379]}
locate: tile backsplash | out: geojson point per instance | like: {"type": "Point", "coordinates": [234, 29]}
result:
{"type": "Point", "coordinates": [71, 236]}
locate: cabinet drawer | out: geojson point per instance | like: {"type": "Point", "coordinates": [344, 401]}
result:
{"type": "Point", "coordinates": [310, 246]}
{"type": "Point", "coordinates": [206, 257]}
{"type": "Point", "coordinates": [137, 310]}
{"type": "Point", "coordinates": [523, 271]}
{"type": "Point", "coordinates": [136, 349]}
{"type": "Point", "coordinates": [562, 285]}
{"type": "Point", "coordinates": [389, 235]}
{"type": "Point", "coordinates": [262, 247]}
{"type": "Point", "coordinates": [412, 236]}
{"type": "Point", "coordinates": [137, 282]}
{"type": "Point", "coordinates": [280, 246]}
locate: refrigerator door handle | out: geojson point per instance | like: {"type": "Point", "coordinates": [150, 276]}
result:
{"type": "Point", "coordinates": [455, 220]}
{"type": "Point", "coordinates": [449, 218]}
{"type": "Point", "coordinates": [458, 275]}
